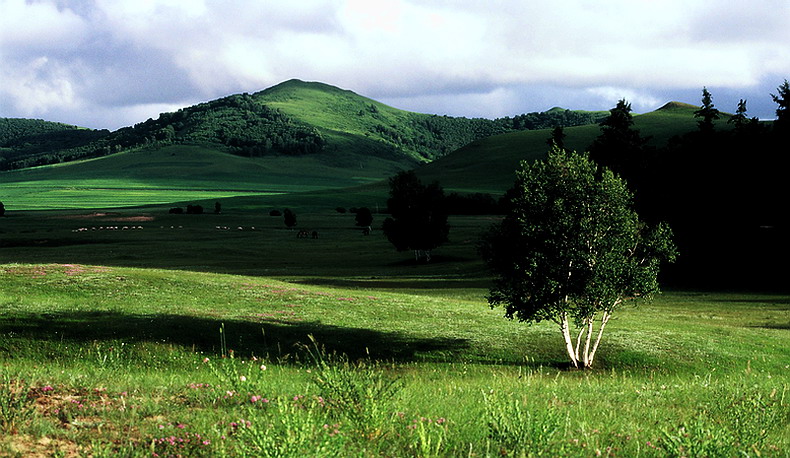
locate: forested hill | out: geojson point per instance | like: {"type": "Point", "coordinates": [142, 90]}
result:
{"type": "Point", "coordinates": [292, 118]}
{"type": "Point", "coordinates": [27, 142]}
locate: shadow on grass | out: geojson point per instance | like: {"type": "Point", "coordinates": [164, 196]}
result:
{"type": "Point", "coordinates": [275, 338]}
{"type": "Point", "coordinates": [772, 326]}
{"type": "Point", "coordinates": [398, 283]}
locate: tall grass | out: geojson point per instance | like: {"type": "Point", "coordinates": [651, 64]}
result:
{"type": "Point", "coordinates": [130, 361]}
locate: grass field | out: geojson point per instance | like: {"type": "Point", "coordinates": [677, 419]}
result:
{"type": "Point", "coordinates": [179, 174]}
{"type": "Point", "coordinates": [134, 342]}
{"type": "Point", "coordinates": [225, 335]}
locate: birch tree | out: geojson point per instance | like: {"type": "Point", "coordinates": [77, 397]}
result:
{"type": "Point", "coordinates": [572, 250]}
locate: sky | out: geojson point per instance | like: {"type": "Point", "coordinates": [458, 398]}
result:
{"type": "Point", "coordinates": [113, 63]}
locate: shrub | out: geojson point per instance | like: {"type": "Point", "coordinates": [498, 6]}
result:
{"type": "Point", "coordinates": [194, 210]}
{"type": "Point", "coordinates": [275, 213]}
{"type": "Point", "coordinates": [176, 210]}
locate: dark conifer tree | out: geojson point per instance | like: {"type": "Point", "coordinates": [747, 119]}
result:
{"type": "Point", "coordinates": [782, 99]}
{"type": "Point", "coordinates": [707, 112]}
{"type": "Point", "coordinates": [620, 146]}
{"type": "Point", "coordinates": [557, 138]}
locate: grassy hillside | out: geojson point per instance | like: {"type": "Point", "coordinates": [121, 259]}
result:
{"type": "Point", "coordinates": [488, 165]}
{"type": "Point", "coordinates": [292, 118]}
{"type": "Point", "coordinates": [176, 174]}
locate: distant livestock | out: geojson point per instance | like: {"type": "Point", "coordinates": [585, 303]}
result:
{"type": "Point", "coordinates": [305, 234]}
{"type": "Point", "coordinates": [107, 228]}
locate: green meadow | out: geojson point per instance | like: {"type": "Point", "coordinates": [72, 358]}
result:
{"type": "Point", "coordinates": [184, 339]}
{"type": "Point", "coordinates": [126, 330]}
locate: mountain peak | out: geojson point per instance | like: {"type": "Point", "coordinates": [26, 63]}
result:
{"type": "Point", "coordinates": [672, 106]}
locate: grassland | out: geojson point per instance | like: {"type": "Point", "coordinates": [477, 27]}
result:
{"type": "Point", "coordinates": [501, 154]}
{"type": "Point", "coordinates": [224, 334]}
{"type": "Point", "coordinates": [111, 343]}
{"type": "Point", "coordinates": [178, 174]}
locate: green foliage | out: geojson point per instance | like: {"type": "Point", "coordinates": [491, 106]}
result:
{"type": "Point", "coordinates": [32, 142]}
{"type": "Point", "coordinates": [620, 147]}
{"type": "Point", "coordinates": [419, 217]}
{"type": "Point", "coordinates": [707, 112]}
{"type": "Point", "coordinates": [515, 430]}
{"type": "Point", "coordinates": [782, 100]}
{"type": "Point", "coordinates": [358, 393]}
{"type": "Point", "coordinates": [572, 246]}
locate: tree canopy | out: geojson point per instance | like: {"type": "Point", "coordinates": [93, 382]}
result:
{"type": "Point", "coordinates": [419, 218]}
{"type": "Point", "coordinates": [571, 248]}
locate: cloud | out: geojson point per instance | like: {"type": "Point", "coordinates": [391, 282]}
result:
{"type": "Point", "coordinates": [78, 55]}
{"type": "Point", "coordinates": [641, 101]}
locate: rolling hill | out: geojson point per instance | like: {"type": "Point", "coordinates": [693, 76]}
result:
{"type": "Point", "coordinates": [463, 170]}
{"type": "Point", "coordinates": [294, 118]}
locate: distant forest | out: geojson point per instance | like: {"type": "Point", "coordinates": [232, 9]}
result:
{"type": "Point", "coordinates": [241, 125]}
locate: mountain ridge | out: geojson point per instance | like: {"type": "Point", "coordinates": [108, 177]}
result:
{"type": "Point", "coordinates": [297, 117]}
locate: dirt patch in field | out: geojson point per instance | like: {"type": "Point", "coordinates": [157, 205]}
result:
{"type": "Point", "coordinates": [28, 446]}
{"type": "Point", "coordinates": [100, 216]}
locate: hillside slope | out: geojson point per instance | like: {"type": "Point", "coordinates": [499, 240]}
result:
{"type": "Point", "coordinates": [489, 164]}
{"type": "Point", "coordinates": [293, 118]}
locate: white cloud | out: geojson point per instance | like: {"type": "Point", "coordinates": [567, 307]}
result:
{"type": "Point", "coordinates": [35, 88]}
{"type": "Point", "coordinates": [27, 27]}
{"type": "Point", "coordinates": [640, 101]}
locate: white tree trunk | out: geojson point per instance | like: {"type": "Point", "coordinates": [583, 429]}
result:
{"type": "Point", "coordinates": [578, 341]}
{"type": "Point", "coordinates": [604, 320]}
{"type": "Point", "coordinates": [589, 324]}
{"type": "Point", "coordinates": [566, 334]}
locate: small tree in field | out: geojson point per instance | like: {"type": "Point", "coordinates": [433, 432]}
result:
{"type": "Point", "coordinates": [289, 218]}
{"type": "Point", "coordinates": [364, 217]}
{"type": "Point", "coordinates": [572, 249]}
{"type": "Point", "coordinates": [419, 217]}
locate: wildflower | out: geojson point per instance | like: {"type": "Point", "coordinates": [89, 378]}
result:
{"type": "Point", "coordinates": [180, 426]}
{"type": "Point", "coordinates": [263, 367]}
{"type": "Point", "coordinates": [206, 442]}
{"type": "Point", "coordinates": [47, 388]}
{"type": "Point", "coordinates": [255, 398]}
{"type": "Point", "coordinates": [205, 360]}
{"type": "Point", "coordinates": [243, 378]}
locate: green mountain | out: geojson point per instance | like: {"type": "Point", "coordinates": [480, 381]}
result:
{"type": "Point", "coordinates": [294, 118]}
